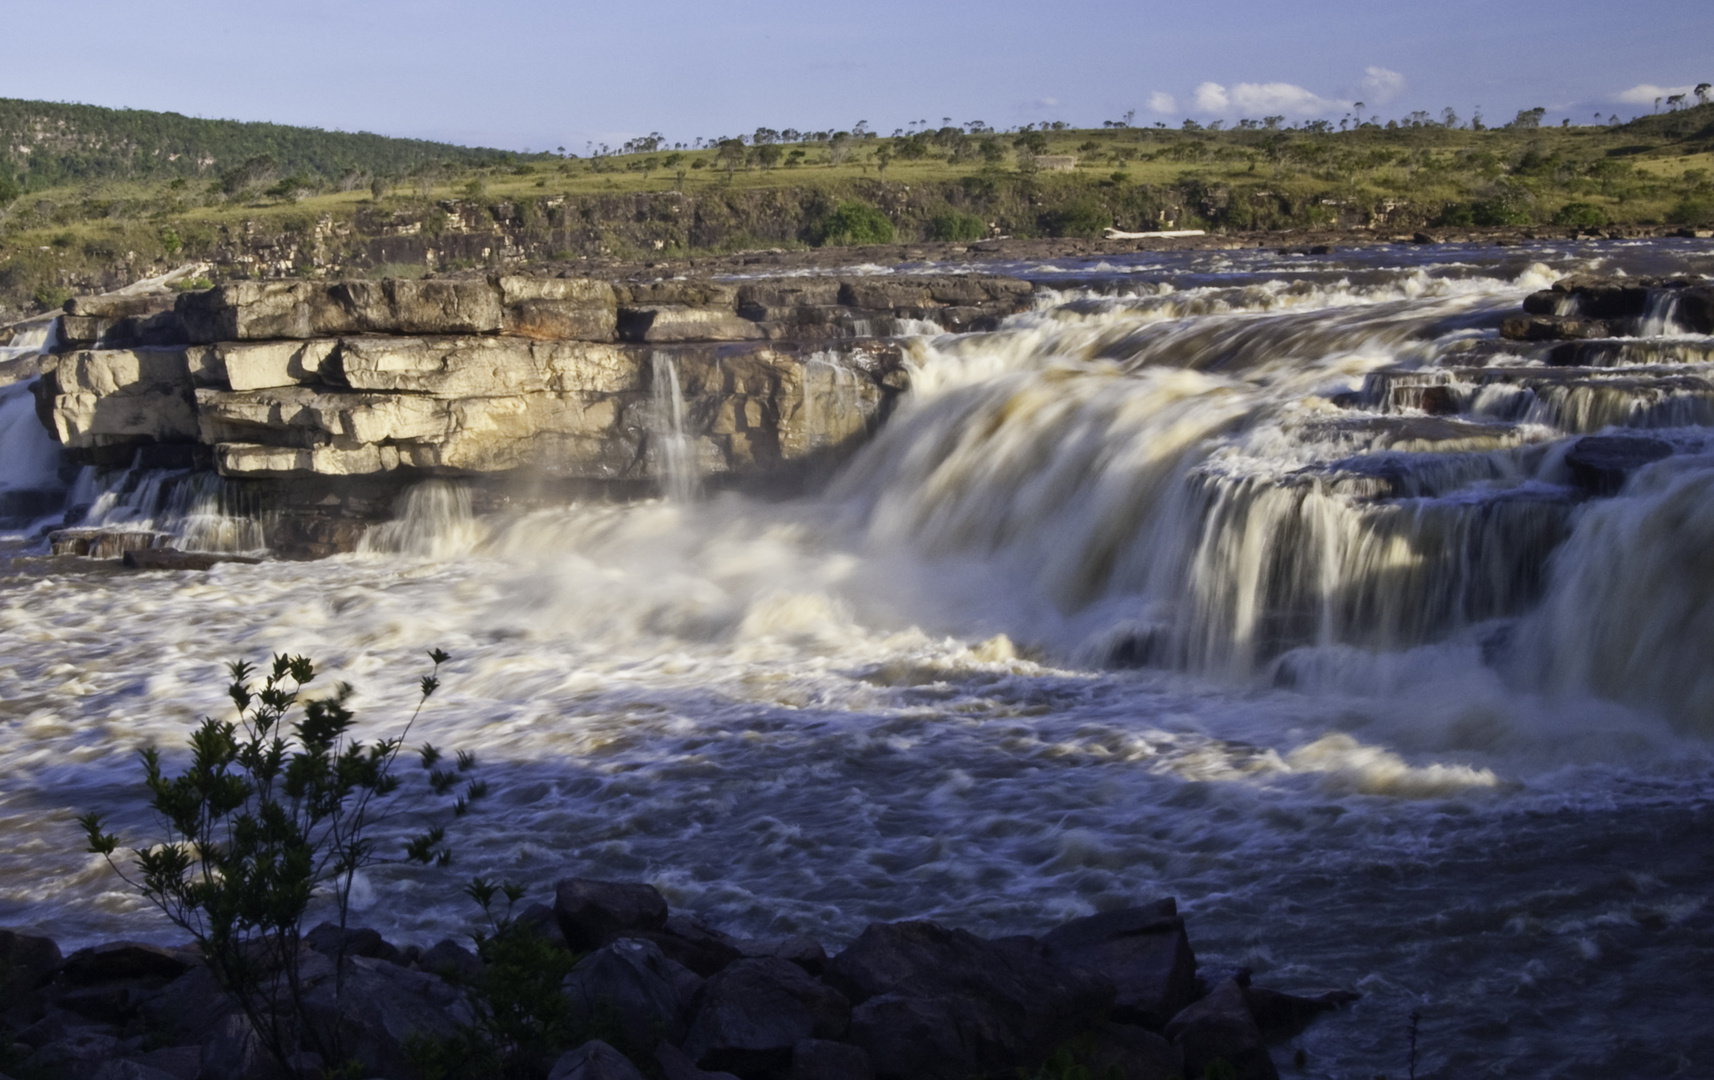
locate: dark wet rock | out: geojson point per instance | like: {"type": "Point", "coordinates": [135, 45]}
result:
{"type": "Point", "coordinates": [1553, 328]}
{"type": "Point", "coordinates": [233, 1049]}
{"type": "Point", "coordinates": [382, 1007]}
{"type": "Point", "coordinates": [109, 983]}
{"type": "Point", "coordinates": [982, 1004]}
{"type": "Point", "coordinates": [1696, 309]}
{"type": "Point", "coordinates": [190, 1006]}
{"type": "Point", "coordinates": [451, 961]}
{"type": "Point", "coordinates": [633, 984]}
{"type": "Point", "coordinates": [103, 543]}
{"type": "Point", "coordinates": [1279, 1013]}
{"type": "Point", "coordinates": [181, 1062]}
{"type": "Point", "coordinates": [1600, 464]}
{"type": "Point", "coordinates": [676, 1065]}
{"type": "Point", "coordinates": [173, 559]}
{"type": "Point", "coordinates": [933, 1038]}
{"type": "Point", "coordinates": [131, 1069]}
{"type": "Point", "coordinates": [800, 949]}
{"type": "Point", "coordinates": [592, 913]}
{"type": "Point", "coordinates": [748, 1018]}
{"type": "Point", "coordinates": [1220, 1028]}
{"type": "Point", "coordinates": [66, 1047]}
{"type": "Point", "coordinates": [1143, 951]}
{"type": "Point", "coordinates": [594, 1060]}
{"type": "Point", "coordinates": [822, 1059]}
{"type": "Point", "coordinates": [695, 944]}
{"type": "Point", "coordinates": [27, 964]}
{"type": "Point", "coordinates": [330, 941]}
{"type": "Point", "coordinates": [1127, 1052]}
{"type": "Point", "coordinates": [544, 921]}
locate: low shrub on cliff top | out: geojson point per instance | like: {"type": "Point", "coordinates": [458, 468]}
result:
{"type": "Point", "coordinates": [956, 225]}
{"type": "Point", "coordinates": [853, 222]}
{"type": "Point", "coordinates": [268, 815]}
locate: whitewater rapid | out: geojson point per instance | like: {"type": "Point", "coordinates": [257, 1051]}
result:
{"type": "Point", "coordinates": [1124, 600]}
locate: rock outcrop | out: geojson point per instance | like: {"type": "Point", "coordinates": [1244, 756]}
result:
{"type": "Point", "coordinates": [327, 399]}
{"type": "Point", "coordinates": [905, 1001]}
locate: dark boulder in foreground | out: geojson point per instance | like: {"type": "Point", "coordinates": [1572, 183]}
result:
{"type": "Point", "coordinates": [1143, 951]}
{"type": "Point", "coordinates": [904, 1001]}
{"type": "Point", "coordinates": [592, 913]}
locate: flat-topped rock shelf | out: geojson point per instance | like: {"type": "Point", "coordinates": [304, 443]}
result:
{"type": "Point", "coordinates": [327, 399]}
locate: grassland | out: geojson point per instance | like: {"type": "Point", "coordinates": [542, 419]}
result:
{"type": "Point", "coordinates": [947, 184]}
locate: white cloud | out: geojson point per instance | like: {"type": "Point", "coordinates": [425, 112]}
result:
{"type": "Point", "coordinates": [1211, 97]}
{"type": "Point", "coordinates": [1259, 98]}
{"type": "Point", "coordinates": [1645, 93]}
{"type": "Point", "coordinates": [1381, 85]}
{"type": "Point", "coordinates": [1162, 103]}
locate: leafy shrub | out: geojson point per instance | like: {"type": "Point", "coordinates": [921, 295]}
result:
{"type": "Point", "coordinates": [191, 284]}
{"type": "Point", "coordinates": [1081, 217]}
{"type": "Point", "coordinates": [1693, 211]}
{"type": "Point", "coordinates": [956, 225]}
{"type": "Point", "coordinates": [522, 1015]}
{"type": "Point", "coordinates": [266, 816]}
{"type": "Point", "coordinates": [1580, 215]}
{"type": "Point", "coordinates": [1499, 211]}
{"type": "Point", "coordinates": [851, 223]}
{"type": "Point", "coordinates": [52, 297]}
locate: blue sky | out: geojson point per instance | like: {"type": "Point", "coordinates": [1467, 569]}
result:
{"type": "Point", "coordinates": [538, 74]}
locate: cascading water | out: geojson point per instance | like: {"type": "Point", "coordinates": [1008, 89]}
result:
{"type": "Point", "coordinates": [675, 451]}
{"type": "Point", "coordinates": [1269, 583]}
{"type": "Point", "coordinates": [30, 485]}
{"type": "Point", "coordinates": [193, 511]}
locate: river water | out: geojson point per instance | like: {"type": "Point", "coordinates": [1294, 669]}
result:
{"type": "Point", "coordinates": [1158, 590]}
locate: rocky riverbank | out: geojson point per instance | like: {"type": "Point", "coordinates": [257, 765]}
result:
{"type": "Point", "coordinates": [1118, 994]}
{"type": "Point", "coordinates": [321, 402]}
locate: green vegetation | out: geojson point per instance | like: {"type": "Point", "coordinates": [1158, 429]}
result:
{"type": "Point", "coordinates": [267, 208]}
{"type": "Point", "coordinates": [79, 143]}
{"type": "Point", "coordinates": [853, 222]}
{"type": "Point", "coordinates": [523, 1017]}
{"type": "Point", "coordinates": [267, 816]}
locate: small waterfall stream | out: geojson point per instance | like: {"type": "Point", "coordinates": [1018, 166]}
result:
{"type": "Point", "coordinates": [675, 449]}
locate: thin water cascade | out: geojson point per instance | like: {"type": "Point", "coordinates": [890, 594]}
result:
{"type": "Point", "coordinates": [675, 451]}
{"type": "Point", "coordinates": [432, 520]}
{"type": "Point", "coordinates": [194, 511]}
{"type": "Point", "coordinates": [31, 488]}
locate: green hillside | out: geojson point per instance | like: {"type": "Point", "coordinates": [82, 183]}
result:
{"type": "Point", "coordinates": [45, 144]}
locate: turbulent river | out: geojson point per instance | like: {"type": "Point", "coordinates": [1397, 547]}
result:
{"type": "Point", "coordinates": [1165, 588]}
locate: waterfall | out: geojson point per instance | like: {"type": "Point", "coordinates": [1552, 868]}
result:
{"type": "Point", "coordinates": [30, 459]}
{"type": "Point", "coordinates": [1660, 316]}
{"type": "Point", "coordinates": [433, 520]}
{"type": "Point", "coordinates": [197, 511]}
{"type": "Point", "coordinates": [675, 451]}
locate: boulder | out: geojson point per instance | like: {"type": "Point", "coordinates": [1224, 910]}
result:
{"type": "Point", "coordinates": [1696, 309]}
{"type": "Point", "coordinates": [259, 365]}
{"type": "Point", "coordinates": [331, 941]}
{"type": "Point", "coordinates": [1126, 1052]}
{"type": "Point", "coordinates": [382, 1007]}
{"type": "Point", "coordinates": [167, 558]}
{"type": "Point", "coordinates": [594, 1060]}
{"type": "Point", "coordinates": [191, 1006]}
{"type": "Point", "coordinates": [1600, 464]}
{"type": "Point", "coordinates": [631, 983]}
{"type": "Point", "coordinates": [130, 1069]}
{"type": "Point", "coordinates": [1553, 328]}
{"type": "Point", "coordinates": [180, 1062]}
{"type": "Point", "coordinates": [934, 1038]}
{"type": "Point", "coordinates": [1278, 1013]}
{"type": "Point", "coordinates": [125, 960]}
{"type": "Point", "coordinates": [592, 913]}
{"type": "Point", "coordinates": [748, 1018]}
{"type": "Point", "coordinates": [676, 1065]}
{"type": "Point", "coordinates": [1007, 1003]}
{"type": "Point", "coordinates": [821, 1059]}
{"type": "Point", "coordinates": [1143, 951]}
{"type": "Point", "coordinates": [104, 397]}
{"type": "Point", "coordinates": [800, 949]}
{"type": "Point", "coordinates": [1221, 1028]}
{"type": "Point", "coordinates": [451, 961]}
{"type": "Point", "coordinates": [27, 965]}
{"type": "Point", "coordinates": [104, 543]}
{"type": "Point", "coordinates": [234, 1051]}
